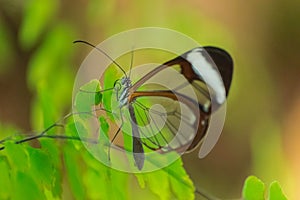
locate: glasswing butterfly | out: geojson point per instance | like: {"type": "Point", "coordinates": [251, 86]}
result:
{"type": "Point", "coordinates": [168, 108]}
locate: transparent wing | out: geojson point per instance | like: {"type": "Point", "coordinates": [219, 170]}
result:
{"type": "Point", "coordinates": [168, 121]}
{"type": "Point", "coordinates": [176, 94]}
{"type": "Point", "coordinates": [172, 104]}
{"type": "Point", "coordinates": [172, 113]}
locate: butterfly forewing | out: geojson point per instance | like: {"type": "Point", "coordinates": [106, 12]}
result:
{"type": "Point", "coordinates": [171, 111]}
{"type": "Point", "coordinates": [169, 105]}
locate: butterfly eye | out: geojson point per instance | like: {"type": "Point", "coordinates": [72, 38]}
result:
{"type": "Point", "coordinates": [123, 80]}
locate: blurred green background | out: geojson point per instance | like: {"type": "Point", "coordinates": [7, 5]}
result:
{"type": "Point", "coordinates": [38, 63]}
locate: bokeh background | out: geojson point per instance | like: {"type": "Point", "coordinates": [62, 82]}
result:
{"type": "Point", "coordinates": [261, 134]}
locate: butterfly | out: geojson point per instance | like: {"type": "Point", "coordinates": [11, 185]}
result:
{"type": "Point", "coordinates": [169, 107]}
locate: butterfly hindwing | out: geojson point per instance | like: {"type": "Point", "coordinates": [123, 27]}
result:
{"type": "Point", "coordinates": [197, 106]}
{"type": "Point", "coordinates": [168, 128]}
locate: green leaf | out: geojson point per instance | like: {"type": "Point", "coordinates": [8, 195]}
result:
{"type": "Point", "coordinates": [25, 187]}
{"type": "Point", "coordinates": [180, 182]}
{"type": "Point", "coordinates": [171, 182]}
{"type": "Point", "coordinates": [104, 125]}
{"type": "Point", "coordinates": [120, 184]}
{"type": "Point", "coordinates": [88, 96]}
{"type": "Point", "coordinates": [77, 128]}
{"type": "Point", "coordinates": [254, 189]}
{"type": "Point", "coordinates": [158, 183]}
{"type": "Point", "coordinates": [104, 141]}
{"type": "Point", "coordinates": [17, 156]}
{"type": "Point", "coordinates": [5, 179]}
{"type": "Point", "coordinates": [37, 16]}
{"type": "Point", "coordinates": [41, 166]}
{"type": "Point", "coordinates": [110, 76]}
{"type": "Point", "coordinates": [275, 192]}
{"type": "Point", "coordinates": [57, 183]}
{"type": "Point", "coordinates": [141, 180]}
{"type": "Point", "coordinates": [112, 184]}
{"type": "Point", "coordinates": [97, 184]}
{"type": "Point", "coordinates": [53, 151]}
{"type": "Point", "coordinates": [74, 171]}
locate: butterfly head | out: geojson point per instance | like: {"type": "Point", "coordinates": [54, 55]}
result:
{"type": "Point", "coordinates": [125, 85]}
{"type": "Point", "coordinates": [126, 82]}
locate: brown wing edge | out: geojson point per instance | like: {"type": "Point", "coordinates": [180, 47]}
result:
{"type": "Point", "coordinates": [203, 122]}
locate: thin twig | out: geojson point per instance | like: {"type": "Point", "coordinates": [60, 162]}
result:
{"type": "Point", "coordinates": [59, 123]}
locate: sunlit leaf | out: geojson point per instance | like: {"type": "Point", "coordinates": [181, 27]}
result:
{"type": "Point", "coordinates": [97, 184]}
{"type": "Point", "coordinates": [180, 182]}
{"type": "Point", "coordinates": [141, 180]}
{"type": "Point", "coordinates": [254, 189]}
{"type": "Point", "coordinates": [275, 192]}
{"type": "Point", "coordinates": [119, 183]}
{"type": "Point", "coordinates": [113, 182]}
{"type": "Point", "coordinates": [158, 183]}
{"type": "Point", "coordinates": [110, 76]}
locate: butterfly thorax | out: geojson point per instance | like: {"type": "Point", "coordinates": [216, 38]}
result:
{"type": "Point", "coordinates": [125, 85]}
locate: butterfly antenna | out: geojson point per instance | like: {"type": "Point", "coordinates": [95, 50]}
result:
{"type": "Point", "coordinates": [131, 63]}
{"type": "Point", "coordinates": [103, 52]}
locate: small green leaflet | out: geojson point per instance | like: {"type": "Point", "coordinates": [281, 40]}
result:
{"type": "Point", "coordinates": [254, 189]}
{"type": "Point", "coordinates": [88, 96]}
{"type": "Point", "coordinates": [171, 182]}
{"type": "Point", "coordinates": [275, 192]}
